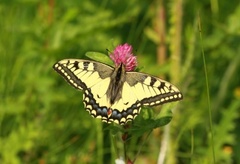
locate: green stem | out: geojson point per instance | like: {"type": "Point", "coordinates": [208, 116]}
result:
{"type": "Point", "coordinates": [114, 149]}
{"type": "Point", "coordinates": [99, 135]}
{"type": "Point", "coordinates": [207, 86]}
{"type": "Point", "coordinates": [192, 145]}
{"type": "Point", "coordinates": [139, 150]}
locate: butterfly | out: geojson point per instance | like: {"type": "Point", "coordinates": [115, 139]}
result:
{"type": "Point", "coordinates": [113, 94]}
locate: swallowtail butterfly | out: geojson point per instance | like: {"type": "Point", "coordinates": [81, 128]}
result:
{"type": "Point", "coordinates": [113, 94]}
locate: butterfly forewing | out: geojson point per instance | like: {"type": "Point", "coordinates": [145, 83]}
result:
{"type": "Point", "coordinates": [82, 73]}
{"type": "Point", "coordinates": [151, 91]}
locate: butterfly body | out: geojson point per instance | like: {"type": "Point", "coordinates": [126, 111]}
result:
{"type": "Point", "coordinates": [113, 94]}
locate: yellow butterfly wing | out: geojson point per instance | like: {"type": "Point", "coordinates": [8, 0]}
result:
{"type": "Point", "coordinates": [91, 77]}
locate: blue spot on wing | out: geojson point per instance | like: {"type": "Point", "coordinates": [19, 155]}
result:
{"type": "Point", "coordinates": [115, 115]}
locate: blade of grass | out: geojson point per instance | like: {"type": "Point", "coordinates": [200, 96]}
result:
{"type": "Point", "coordinates": [100, 152]}
{"type": "Point", "coordinates": [207, 87]}
{"type": "Point", "coordinates": [192, 145]}
{"type": "Point", "coordinates": [114, 149]}
{"type": "Point", "coordinates": [141, 146]}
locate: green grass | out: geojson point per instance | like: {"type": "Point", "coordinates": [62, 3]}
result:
{"type": "Point", "coordinates": [42, 119]}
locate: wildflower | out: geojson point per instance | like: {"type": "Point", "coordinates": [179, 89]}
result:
{"type": "Point", "coordinates": [123, 55]}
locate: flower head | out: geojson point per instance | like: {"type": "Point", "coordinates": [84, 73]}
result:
{"type": "Point", "coordinates": [123, 55]}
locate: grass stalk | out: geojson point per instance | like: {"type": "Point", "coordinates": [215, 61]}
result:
{"type": "Point", "coordinates": [207, 88]}
{"type": "Point", "coordinates": [99, 135]}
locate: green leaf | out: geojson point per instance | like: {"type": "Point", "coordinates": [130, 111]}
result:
{"type": "Point", "coordinates": [97, 56]}
{"type": "Point", "coordinates": [147, 121]}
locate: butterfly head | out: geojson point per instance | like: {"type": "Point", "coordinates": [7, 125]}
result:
{"type": "Point", "coordinates": [122, 55]}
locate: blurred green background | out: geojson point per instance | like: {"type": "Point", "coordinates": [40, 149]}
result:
{"type": "Point", "coordinates": [42, 119]}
